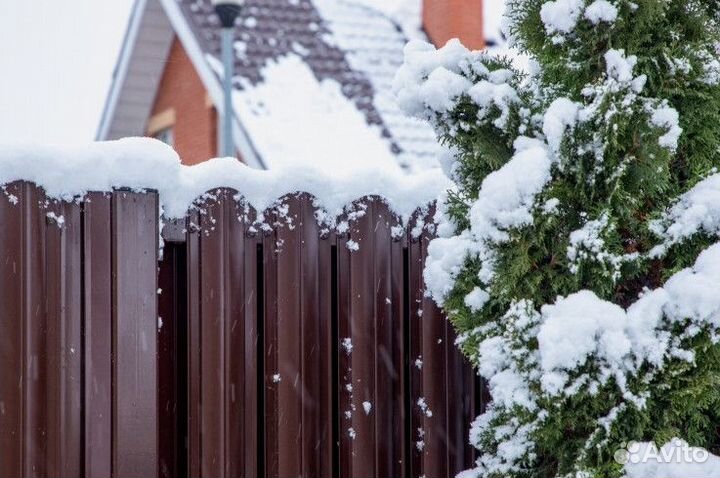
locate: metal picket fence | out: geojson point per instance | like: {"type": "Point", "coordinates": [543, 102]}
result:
{"type": "Point", "coordinates": [245, 351]}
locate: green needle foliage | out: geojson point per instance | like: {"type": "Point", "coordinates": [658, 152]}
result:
{"type": "Point", "coordinates": [627, 108]}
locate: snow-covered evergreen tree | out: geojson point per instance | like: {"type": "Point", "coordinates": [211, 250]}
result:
{"type": "Point", "coordinates": [578, 255]}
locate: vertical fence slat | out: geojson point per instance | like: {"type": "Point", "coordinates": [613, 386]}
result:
{"type": "Point", "coordinates": [11, 347]}
{"type": "Point", "coordinates": [64, 339]}
{"type": "Point", "coordinates": [287, 347]}
{"type": "Point", "coordinates": [400, 354]}
{"type": "Point", "coordinates": [271, 361]}
{"type": "Point", "coordinates": [363, 323]}
{"type": "Point", "coordinates": [97, 298]}
{"type": "Point", "coordinates": [298, 347]}
{"type": "Point", "coordinates": [372, 437]}
{"type": "Point", "coordinates": [316, 327]}
{"type": "Point", "coordinates": [222, 342]}
{"type": "Point", "coordinates": [249, 367]}
{"type": "Point", "coordinates": [344, 373]}
{"type": "Point", "coordinates": [194, 255]}
{"type": "Point", "coordinates": [313, 353]}
{"type": "Point", "coordinates": [388, 410]}
{"type": "Point", "coordinates": [233, 347]}
{"type": "Point", "coordinates": [213, 303]}
{"type": "Point", "coordinates": [415, 284]}
{"type": "Point", "coordinates": [435, 399]}
{"type": "Point", "coordinates": [135, 228]}
{"type": "Point", "coordinates": [34, 336]}
{"type": "Point", "coordinates": [328, 344]}
{"type": "Point", "coordinates": [240, 349]}
{"type": "Point", "coordinates": [460, 406]}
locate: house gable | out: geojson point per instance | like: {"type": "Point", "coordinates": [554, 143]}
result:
{"type": "Point", "coordinates": [183, 104]}
{"type": "Point", "coordinates": [137, 73]}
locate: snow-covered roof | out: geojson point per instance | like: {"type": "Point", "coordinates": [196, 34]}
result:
{"type": "Point", "coordinates": [313, 80]}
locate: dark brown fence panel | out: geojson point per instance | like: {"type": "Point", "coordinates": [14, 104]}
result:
{"type": "Point", "coordinates": [34, 317]}
{"type": "Point", "coordinates": [298, 372]}
{"type": "Point", "coordinates": [414, 331]}
{"type": "Point", "coordinates": [40, 388]}
{"type": "Point", "coordinates": [357, 374]}
{"type": "Point", "coordinates": [371, 371]}
{"type": "Point", "coordinates": [64, 339]}
{"type": "Point", "coordinates": [97, 302]}
{"type": "Point", "coordinates": [193, 355]}
{"type": "Point", "coordinates": [274, 351]}
{"type": "Point", "coordinates": [222, 342]}
{"type": "Point", "coordinates": [57, 342]}
{"type": "Point", "coordinates": [135, 318]}
{"type": "Point", "coordinates": [11, 338]}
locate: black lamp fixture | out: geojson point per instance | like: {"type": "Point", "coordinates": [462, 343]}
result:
{"type": "Point", "coordinates": [227, 11]}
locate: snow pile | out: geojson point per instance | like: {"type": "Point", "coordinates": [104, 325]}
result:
{"type": "Point", "coordinates": [561, 116]}
{"type": "Point", "coordinates": [441, 89]}
{"type": "Point", "coordinates": [476, 299]}
{"type": "Point", "coordinates": [575, 328]}
{"type": "Point", "coordinates": [446, 258]}
{"type": "Point", "coordinates": [696, 210]}
{"type": "Point", "coordinates": [487, 94]}
{"type": "Point", "coordinates": [68, 173]}
{"type": "Point", "coordinates": [582, 326]}
{"type": "Point", "coordinates": [421, 60]}
{"type": "Point", "coordinates": [431, 81]}
{"type": "Point", "coordinates": [508, 379]}
{"type": "Point", "coordinates": [508, 194]}
{"type": "Point", "coordinates": [601, 11]}
{"type": "Point", "coordinates": [667, 117]}
{"type": "Point", "coordinates": [587, 243]}
{"type": "Point", "coordinates": [561, 16]}
{"type": "Point", "coordinates": [619, 66]}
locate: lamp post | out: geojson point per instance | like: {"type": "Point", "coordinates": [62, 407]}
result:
{"type": "Point", "coordinates": [227, 11]}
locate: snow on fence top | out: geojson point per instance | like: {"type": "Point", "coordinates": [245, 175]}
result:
{"type": "Point", "coordinates": [68, 173]}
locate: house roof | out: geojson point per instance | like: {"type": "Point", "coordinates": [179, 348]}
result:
{"type": "Point", "coordinates": [312, 78]}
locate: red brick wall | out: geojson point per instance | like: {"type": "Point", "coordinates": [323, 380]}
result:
{"type": "Point", "coordinates": [195, 128]}
{"type": "Point", "coordinates": [463, 19]}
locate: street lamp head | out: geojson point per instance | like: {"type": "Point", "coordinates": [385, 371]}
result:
{"type": "Point", "coordinates": [228, 11]}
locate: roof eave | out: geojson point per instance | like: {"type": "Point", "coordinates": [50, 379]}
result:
{"type": "Point", "coordinates": [121, 69]}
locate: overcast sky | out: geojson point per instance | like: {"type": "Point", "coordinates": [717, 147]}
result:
{"type": "Point", "coordinates": [56, 63]}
